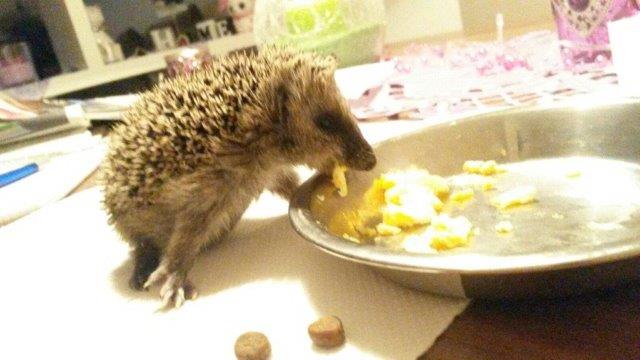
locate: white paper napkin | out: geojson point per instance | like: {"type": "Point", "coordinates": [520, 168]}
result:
{"type": "Point", "coordinates": [64, 274]}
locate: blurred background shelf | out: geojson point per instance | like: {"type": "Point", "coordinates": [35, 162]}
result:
{"type": "Point", "coordinates": [73, 40]}
{"type": "Point", "coordinates": [83, 73]}
{"type": "Point", "coordinates": [103, 74]}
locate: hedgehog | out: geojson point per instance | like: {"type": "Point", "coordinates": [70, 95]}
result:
{"type": "Point", "coordinates": [195, 150]}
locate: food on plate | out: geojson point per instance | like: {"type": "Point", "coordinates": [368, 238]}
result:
{"type": "Point", "coordinates": [343, 223]}
{"type": "Point", "coordinates": [386, 229]}
{"type": "Point", "coordinates": [410, 197]}
{"type": "Point", "coordinates": [419, 212]}
{"type": "Point", "coordinates": [514, 197]}
{"type": "Point", "coordinates": [252, 346]}
{"type": "Point", "coordinates": [504, 227]}
{"type": "Point", "coordinates": [327, 332]}
{"type": "Point", "coordinates": [481, 167]}
{"type": "Point", "coordinates": [413, 197]}
{"type": "Point", "coordinates": [339, 180]}
{"type": "Point", "coordinates": [444, 233]}
{"type": "Point", "coordinates": [354, 224]}
{"type": "Point", "coordinates": [488, 185]}
{"type": "Point", "coordinates": [351, 238]}
{"type": "Point", "coordinates": [461, 195]}
{"type": "Point", "coordinates": [447, 232]}
{"type": "Point", "coordinates": [472, 181]}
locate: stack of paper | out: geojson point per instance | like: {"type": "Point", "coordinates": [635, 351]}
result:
{"type": "Point", "coordinates": [63, 162]}
{"type": "Point", "coordinates": [24, 120]}
{"type": "Point", "coordinates": [108, 108]}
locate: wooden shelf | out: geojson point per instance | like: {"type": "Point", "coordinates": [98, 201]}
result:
{"type": "Point", "coordinates": [103, 74]}
{"type": "Point", "coordinates": [69, 28]}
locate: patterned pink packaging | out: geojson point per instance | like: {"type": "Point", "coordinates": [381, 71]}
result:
{"type": "Point", "coordinates": [582, 28]}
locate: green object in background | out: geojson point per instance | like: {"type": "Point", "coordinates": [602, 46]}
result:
{"type": "Point", "coordinates": [358, 45]}
{"type": "Point", "coordinates": [6, 126]}
{"type": "Point", "coordinates": [299, 20]}
{"type": "Point", "coordinates": [322, 26]}
{"type": "Point", "coordinates": [320, 17]}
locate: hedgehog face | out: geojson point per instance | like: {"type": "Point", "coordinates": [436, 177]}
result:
{"type": "Point", "coordinates": [338, 127]}
{"type": "Point", "coordinates": [317, 127]}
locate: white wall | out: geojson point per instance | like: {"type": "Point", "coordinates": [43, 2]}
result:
{"type": "Point", "coordinates": [413, 19]}
{"type": "Point", "coordinates": [478, 16]}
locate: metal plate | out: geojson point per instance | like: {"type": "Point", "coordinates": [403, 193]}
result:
{"type": "Point", "coordinates": [581, 234]}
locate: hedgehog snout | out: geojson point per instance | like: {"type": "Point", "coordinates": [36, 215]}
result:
{"type": "Point", "coordinates": [359, 155]}
{"type": "Point", "coordinates": [362, 160]}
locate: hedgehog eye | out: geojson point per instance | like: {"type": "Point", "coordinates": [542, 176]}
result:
{"type": "Point", "coordinates": [241, 5]}
{"type": "Point", "coordinates": [326, 123]}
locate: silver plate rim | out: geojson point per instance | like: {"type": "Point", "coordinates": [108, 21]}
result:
{"type": "Point", "coordinates": [455, 263]}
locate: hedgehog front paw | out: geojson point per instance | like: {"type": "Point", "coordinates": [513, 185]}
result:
{"type": "Point", "coordinates": [175, 290]}
{"type": "Point", "coordinates": [286, 184]}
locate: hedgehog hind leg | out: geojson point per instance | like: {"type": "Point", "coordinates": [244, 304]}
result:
{"type": "Point", "coordinates": [146, 258]}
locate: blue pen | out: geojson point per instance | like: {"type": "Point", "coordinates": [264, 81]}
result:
{"type": "Point", "coordinates": [17, 174]}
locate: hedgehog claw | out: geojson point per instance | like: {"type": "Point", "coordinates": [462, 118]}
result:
{"type": "Point", "coordinates": [172, 298]}
{"type": "Point", "coordinates": [175, 289]}
{"type": "Point", "coordinates": [159, 275]}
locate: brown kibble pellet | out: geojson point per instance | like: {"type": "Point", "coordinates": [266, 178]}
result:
{"type": "Point", "coordinates": [327, 332]}
{"type": "Point", "coordinates": [252, 346]}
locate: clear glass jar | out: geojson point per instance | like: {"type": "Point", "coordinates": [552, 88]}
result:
{"type": "Point", "coordinates": [351, 30]}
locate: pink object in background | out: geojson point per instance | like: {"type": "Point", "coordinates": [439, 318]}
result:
{"type": "Point", "coordinates": [16, 66]}
{"type": "Point", "coordinates": [582, 28]}
{"type": "Point", "coordinates": [188, 60]}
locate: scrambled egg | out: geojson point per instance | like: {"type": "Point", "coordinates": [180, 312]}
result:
{"type": "Point", "coordinates": [461, 195]}
{"type": "Point", "coordinates": [473, 181]}
{"type": "Point", "coordinates": [447, 233]}
{"type": "Point", "coordinates": [353, 223]}
{"type": "Point", "coordinates": [344, 222]}
{"type": "Point", "coordinates": [413, 176]}
{"type": "Point", "coordinates": [444, 233]}
{"type": "Point", "coordinates": [488, 185]}
{"type": "Point", "coordinates": [504, 227]}
{"type": "Point", "coordinates": [350, 238]}
{"type": "Point", "coordinates": [386, 229]}
{"type": "Point", "coordinates": [480, 167]}
{"type": "Point", "coordinates": [409, 203]}
{"type": "Point", "coordinates": [410, 197]}
{"type": "Point", "coordinates": [417, 243]}
{"type": "Point", "coordinates": [414, 197]}
{"type": "Point", "coordinates": [339, 180]}
{"type": "Point", "coordinates": [518, 196]}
